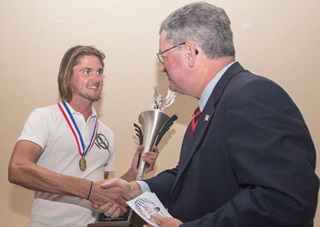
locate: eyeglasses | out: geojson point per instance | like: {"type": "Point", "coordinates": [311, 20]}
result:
{"type": "Point", "coordinates": [161, 58]}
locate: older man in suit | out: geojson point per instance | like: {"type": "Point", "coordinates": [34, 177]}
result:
{"type": "Point", "coordinates": [250, 160]}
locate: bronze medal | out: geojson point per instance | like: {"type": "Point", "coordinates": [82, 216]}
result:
{"type": "Point", "coordinates": [83, 164]}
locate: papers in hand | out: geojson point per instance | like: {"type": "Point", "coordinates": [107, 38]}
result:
{"type": "Point", "coordinates": [146, 205]}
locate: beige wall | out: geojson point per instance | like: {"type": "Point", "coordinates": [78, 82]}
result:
{"type": "Point", "coordinates": [277, 39]}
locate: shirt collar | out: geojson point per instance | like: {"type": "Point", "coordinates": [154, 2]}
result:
{"type": "Point", "coordinates": [210, 86]}
{"type": "Point", "coordinates": [93, 111]}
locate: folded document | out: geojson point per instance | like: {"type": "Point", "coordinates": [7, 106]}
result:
{"type": "Point", "coordinates": [146, 205]}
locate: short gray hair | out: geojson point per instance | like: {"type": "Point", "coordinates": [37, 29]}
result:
{"type": "Point", "coordinates": [205, 24]}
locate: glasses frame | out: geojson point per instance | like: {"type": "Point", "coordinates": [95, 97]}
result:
{"type": "Point", "coordinates": [159, 55]}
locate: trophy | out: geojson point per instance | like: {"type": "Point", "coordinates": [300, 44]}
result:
{"type": "Point", "coordinates": [154, 124]}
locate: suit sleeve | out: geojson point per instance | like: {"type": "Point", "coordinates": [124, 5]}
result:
{"type": "Point", "coordinates": [162, 185]}
{"type": "Point", "coordinates": [273, 160]}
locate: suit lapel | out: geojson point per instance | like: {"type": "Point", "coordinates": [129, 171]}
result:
{"type": "Point", "coordinates": [189, 146]}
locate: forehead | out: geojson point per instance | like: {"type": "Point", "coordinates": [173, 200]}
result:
{"type": "Point", "coordinates": [89, 60]}
{"type": "Point", "coordinates": [162, 39]}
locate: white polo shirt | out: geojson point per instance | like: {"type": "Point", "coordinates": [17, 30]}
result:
{"type": "Point", "coordinates": [47, 127]}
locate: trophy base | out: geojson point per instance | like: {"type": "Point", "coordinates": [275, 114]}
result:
{"type": "Point", "coordinates": [130, 218]}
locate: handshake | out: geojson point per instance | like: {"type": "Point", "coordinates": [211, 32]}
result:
{"type": "Point", "coordinates": [116, 192]}
{"type": "Point", "coordinates": [146, 205]}
{"type": "Point", "coordinates": [110, 196]}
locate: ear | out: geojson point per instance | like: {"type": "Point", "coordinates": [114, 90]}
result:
{"type": "Point", "coordinates": [192, 53]}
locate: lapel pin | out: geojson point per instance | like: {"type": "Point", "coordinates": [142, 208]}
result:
{"type": "Point", "coordinates": [206, 118]}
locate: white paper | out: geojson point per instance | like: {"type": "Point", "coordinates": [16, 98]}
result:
{"type": "Point", "coordinates": [146, 205]}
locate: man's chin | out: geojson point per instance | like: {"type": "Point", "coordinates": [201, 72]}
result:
{"type": "Point", "coordinates": [171, 87]}
{"type": "Point", "coordinates": [95, 98]}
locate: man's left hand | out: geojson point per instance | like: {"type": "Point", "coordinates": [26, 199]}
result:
{"type": "Point", "coordinates": [165, 221]}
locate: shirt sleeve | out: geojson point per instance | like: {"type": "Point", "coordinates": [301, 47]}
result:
{"type": "Point", "coordinates": [36, 129]}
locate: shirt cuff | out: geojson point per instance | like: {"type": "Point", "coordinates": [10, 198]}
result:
{"type": "Point", "coordinates": [144, 186]}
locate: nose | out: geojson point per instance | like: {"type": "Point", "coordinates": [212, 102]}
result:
{"type": "Point", "coordinates": [96, 75]}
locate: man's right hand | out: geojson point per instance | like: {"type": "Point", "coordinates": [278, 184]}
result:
{"type": "Point", "coordinates": [128, 192]}
{"type": "Point", "coordinates": [104, 197]}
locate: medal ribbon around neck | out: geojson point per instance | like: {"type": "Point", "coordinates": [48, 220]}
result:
{"type": "Point", "coordinates": [75, 130]}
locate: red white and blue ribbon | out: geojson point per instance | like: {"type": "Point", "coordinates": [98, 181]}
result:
{"type": "Point", "coordinates": [75, 130]}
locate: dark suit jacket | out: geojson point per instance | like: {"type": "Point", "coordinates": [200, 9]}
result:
{"type": "Point", "coordinates": [250, 162]}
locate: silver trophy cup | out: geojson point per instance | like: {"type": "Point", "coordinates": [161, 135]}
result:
{"type": "Point", "coordinates": [155, 123]}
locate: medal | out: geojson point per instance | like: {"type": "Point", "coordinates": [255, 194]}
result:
{"type": "Point", "coordinates": [77, 134]}
{"type": "Point", "coordinates": [82, 164]}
